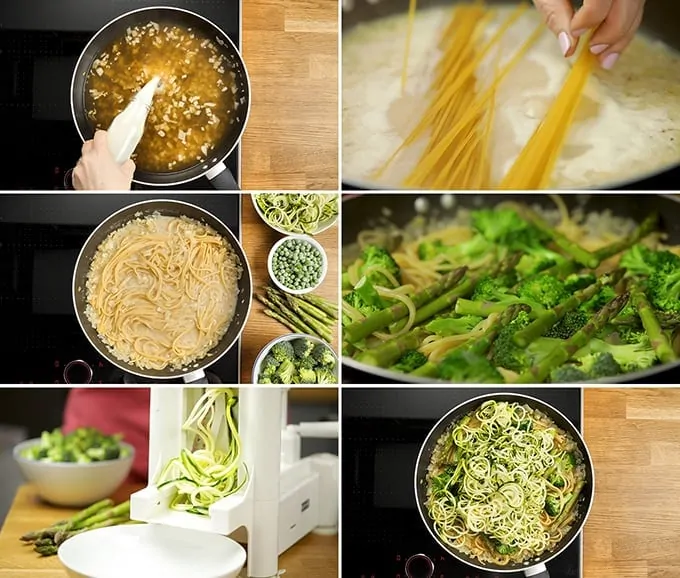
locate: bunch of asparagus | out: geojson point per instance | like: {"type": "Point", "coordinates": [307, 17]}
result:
{"type": "Point", "coordinates": [308, 313]}
{"type": "Point", "coordinates": [103, 514]}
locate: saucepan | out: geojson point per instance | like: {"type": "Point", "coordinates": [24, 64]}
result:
{"type": "Point", "coordinates": [195, 374]}
{"type": "Point", "coordinates": [537, 567]}
{"type": "Point", "coordinates": [214, 167]}
{"type": "Point", "coordinates": [661, 21]}
{"type": "Point", "coordinates": [361, 212]}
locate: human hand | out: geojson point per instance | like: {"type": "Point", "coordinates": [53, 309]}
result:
{"type": "Point", "coordinates": [97, 170]}
{"type": "Point", "coordinates": [614, 22]}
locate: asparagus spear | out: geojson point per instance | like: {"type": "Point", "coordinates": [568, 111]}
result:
{"type": "Point", "coordinates": [390, 351]}
{"type": "Point", "coordinates": [546, 319]}
{"type": "Point", "coordinates": [326, 306]}
{"type": "Point", "coordinates": [64, 535]}
{"type": "Point", "coordinates": [481, 344]}
{"type": "Point", "coordinates": [292, 326]}
{"type": "Point", "coordinates": [310, 309]}
{"type": "Point", "coordinates": [569, 506]}
{"type": "Point", "coordinates": [657, 337]}
{"type": "Point", "coordinates": [361, 329]}
{"type": "Point", "coordinates": [47, 550]}
{"type": "Point", "coordinates": [101, 515]}
{"type": "Point", "coordinates": [318, 327]}
{"type": "Point", "coordinates": [37, 534]}
{"type": "Point", "coordinates": [479, 308]}
{"type": "Point", "coordinates": [563, 352]}
{"type": "Point", "coordinates": [579, 254]}
{"type": "Point", "coordinates": [293, 319]}
{"type": "Point", "coordinates": [87, 513]}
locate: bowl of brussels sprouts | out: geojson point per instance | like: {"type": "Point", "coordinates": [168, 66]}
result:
{"type": "Point", "coordinates": [75, 469]}
{"type": "Point", "coordinates": [297, 264]}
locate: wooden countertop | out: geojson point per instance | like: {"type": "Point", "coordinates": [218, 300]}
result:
{"type": "Point", "coordinates": [634, 527]}
{"type": "Point", "coordinates": [257, 239]}
{"type": "Point", "coordinates": [312, 557]}
{"type": "Point", "coordinates": [290, 48]}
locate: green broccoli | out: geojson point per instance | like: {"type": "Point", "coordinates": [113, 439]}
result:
{"type": "Point", "coordinates": [268, 366]}
{"type": "Point", "coordinates": [409, 361]}
{"type": "Point", "coordinates": [663, 287]}
{"type": "Point", "coordinates": [447, 326]}
{"type": "Point", "coordinates": [464, 366]}
{"type": "Point", "coordinates": [325, 376]}
{"type": "Point", "coordinates": [466, 252]}
{"type": "Point", "coordinates": [264, 380]}
{"type": "Point", "coordinates": [503, 549]}
{"type": "Point", "coordinates": [323, 355]}
{"type": "Point", "coordinates": [631, 334]}
{"type": "Point", "coordinates": [364, 298]}
{"type": "Point", "coordinates": [600, 365]}
{"type": "Point", "coordinates": [374, 257]}
{"type": "Point", "coordinates": [544, 289]}
{"type": "Point", "coordinates": [568, 373]}
{"type": "Point", "coordinates": [282, 351]}
{"type": "Point", "coordinates": [286, 372]}
{"type": "Point", "coordinates": [553, 506]}
{"type": "Point", "coordinates": [572, 322]}
{"type": "Point", "coordinates": [498, 225]}
{"type": "Point", "coordinates": [633, 357]}
{"type": "Point", "coordinates": [504, 352]}
{"type": "Point", "coordinates": [489, 289]}
{"type": "Point", "coordinates": [579, 281]}
{"type": "Point", "coordinates": [303, 347]}
{"type": "Point", "coordinates": [599, 300]}
{"type": "Point", "coordinates": [641, 260]}
{"type": "Point", "coordinates": [306, 375]}
{"type": "Point", "coordinates": [307, 362]}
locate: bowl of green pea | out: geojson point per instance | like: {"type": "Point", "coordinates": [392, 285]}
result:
{"type": "Point", "coordinates": [297, 264]}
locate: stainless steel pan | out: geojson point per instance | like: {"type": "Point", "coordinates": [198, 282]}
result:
{"type": "Point", "coordinates": [538, 568]}
{"type": "Point", "coordinates": [174, 209]}
{"type": "Point", "coordinates": [363, 211]}
{"type": "Point", "coordinates": [661, 21]}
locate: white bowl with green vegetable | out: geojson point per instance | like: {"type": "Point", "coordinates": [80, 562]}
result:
{"type": "Point", "coordinates": [297, 264]}
{"type": "Point", "coordinates": [75, 469]}
{"type": "Point", "coordinates": [297, 213]}
{"type": "Point", "coordinates": [296, 359]}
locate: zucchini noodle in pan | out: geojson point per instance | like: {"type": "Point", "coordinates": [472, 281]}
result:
{"type": "Point", "coordinates": [162, 291]}
{"type": "Point", "coordinates": [503, 484]}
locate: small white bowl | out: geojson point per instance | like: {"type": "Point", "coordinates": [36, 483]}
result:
{"type": "Point", "coordinates": [323, 225]}
{"type": "Point", "coordinates": [306, 239]}
{"type": "Point", "coordinates": [74, 485]}
{"type": "Point", "coordinates": [290, 337]}
{"type": "Point", "coordinates": [151, 551]}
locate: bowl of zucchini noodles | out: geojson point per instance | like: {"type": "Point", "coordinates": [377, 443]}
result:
{"type": "Point", "coordinates": [504, 482]}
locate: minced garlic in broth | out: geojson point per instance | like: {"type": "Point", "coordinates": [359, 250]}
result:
{"type": "Point", "coordinates": [194, 106]}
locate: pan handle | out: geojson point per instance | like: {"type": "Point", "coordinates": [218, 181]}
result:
{"type": "Point", "coordinates": [195, 378]}
{"type": "Point", "coordinates": [538, 571]}
{"type": "Point", "coordinates": [221, 178]}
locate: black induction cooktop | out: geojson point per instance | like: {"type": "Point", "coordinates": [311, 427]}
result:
{"type": "Point", "coordinates": [40, 41]}
{"type": "Point", "coordinates": [40, 238]}
{"type": "Point", "coordinates": [382, 432]}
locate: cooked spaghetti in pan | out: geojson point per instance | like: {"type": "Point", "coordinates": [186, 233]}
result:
{"type": "Point", "coordinates": [162, 291]}
{"type": "Point", "coordinates": [504, 484]}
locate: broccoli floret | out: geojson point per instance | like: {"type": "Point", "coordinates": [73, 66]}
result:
{"type": "Point", "coordinates": [462, 366]}
{"type": "Point", "coordinates": [377, 257]}
{"type": "Point", "coordinates": [579, 281]}
{"type": "Point", "coordinates": [663, 287]}
{"type": "Point", "coordinates": [553, 506]}
{"type": "Point", "coordinates": [268, 365]}
{"type": "Point", "coordinates": [503, 549]}
{"type": "Point", "coordinates": [306, 375]}
{"type": "Point", "coordinates": [410, 361]}
{"type": "Point", "coordinates": [599, 300]}
{"type": "Point", "coordinates": [282, 351]}
{"type": "Point", "coordinates": [307, 362]}
{"type": "Point", "coordinates": [641, 260]}
{"type": "Point", "coordinates": [428, 250]}
{"type": "Point", "coordinates": [447, 326]}
{"type": "Point", "coordinates": [572, 322]}
{"type": "Point", "coordinates": [489, 289]}
{"type": "Point", "coordinates": [364, 298]}
{"type": "Point", "coordinates": [464, 252]}
{"type": "Point", "coordinates": [286, 372]}
{"type": "Point", "coordinates": [557, 480]}
{"type": "Point", "coordinates": [264, 380]}
{"type": "Point", "coordinates": [544, 289]}
{"type": "Point", "coordinates": [303, 347]}
{"type": "Point", "coordinates": [325, 376]}
{"type": "Point", "coordinates": [505, 352]}
{"type": "Point", "coordinates": [568, 373]}
{"type": "Point", "coordinates": [631, 334]}
{"type": "Point", "coordinates": [600, 365]}
{"type": "Point", "coordinates": [498, 225]}
{"type": "Point", "coordinates": [323, 355]}
{"type": "Point", "coordinates": [633, 357]}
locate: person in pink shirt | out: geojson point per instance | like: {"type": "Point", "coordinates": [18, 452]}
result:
{"type": "Point", "coordinates": [112, 411]}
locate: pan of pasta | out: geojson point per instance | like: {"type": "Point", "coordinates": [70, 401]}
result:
{"type": "Point", "coordinates": [162, 289]}
{"type": "Point", "coordinates": [200, 109]}
{"type": "Point", "coordinates": [476, 94]}
{"type": "Point", "coordinates": [504, 483]}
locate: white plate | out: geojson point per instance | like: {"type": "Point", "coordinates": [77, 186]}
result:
{"type": "Point", "coordinates": [151, 551]}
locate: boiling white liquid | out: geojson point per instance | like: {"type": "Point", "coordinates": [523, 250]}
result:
{"type": "Point", "coordinates": [627, 126]}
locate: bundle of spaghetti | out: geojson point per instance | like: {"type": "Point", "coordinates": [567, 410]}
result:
{"type": "Point", "coordinates": [535, 163]}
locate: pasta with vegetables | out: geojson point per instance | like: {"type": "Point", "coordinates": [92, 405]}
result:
{"type": "Point", "coordinates": [504, 483]}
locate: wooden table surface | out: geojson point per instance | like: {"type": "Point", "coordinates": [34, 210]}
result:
{"type": "Point", "coordinates": [291, 50]}
{"type": "Point", "coordinates": [312, 557]}
{"type": "Point", "coordinates": [634, 526]}
{"type": "Point", "coordinates": [257, 239]}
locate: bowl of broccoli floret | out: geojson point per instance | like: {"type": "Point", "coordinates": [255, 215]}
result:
{"type": "Point", "coordinates": [77, 468]}
{"type": "Point", "coordinates": [296, 359]}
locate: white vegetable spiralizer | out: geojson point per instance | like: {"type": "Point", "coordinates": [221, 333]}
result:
{"type": "Point", "coordinates": [283, 497]}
